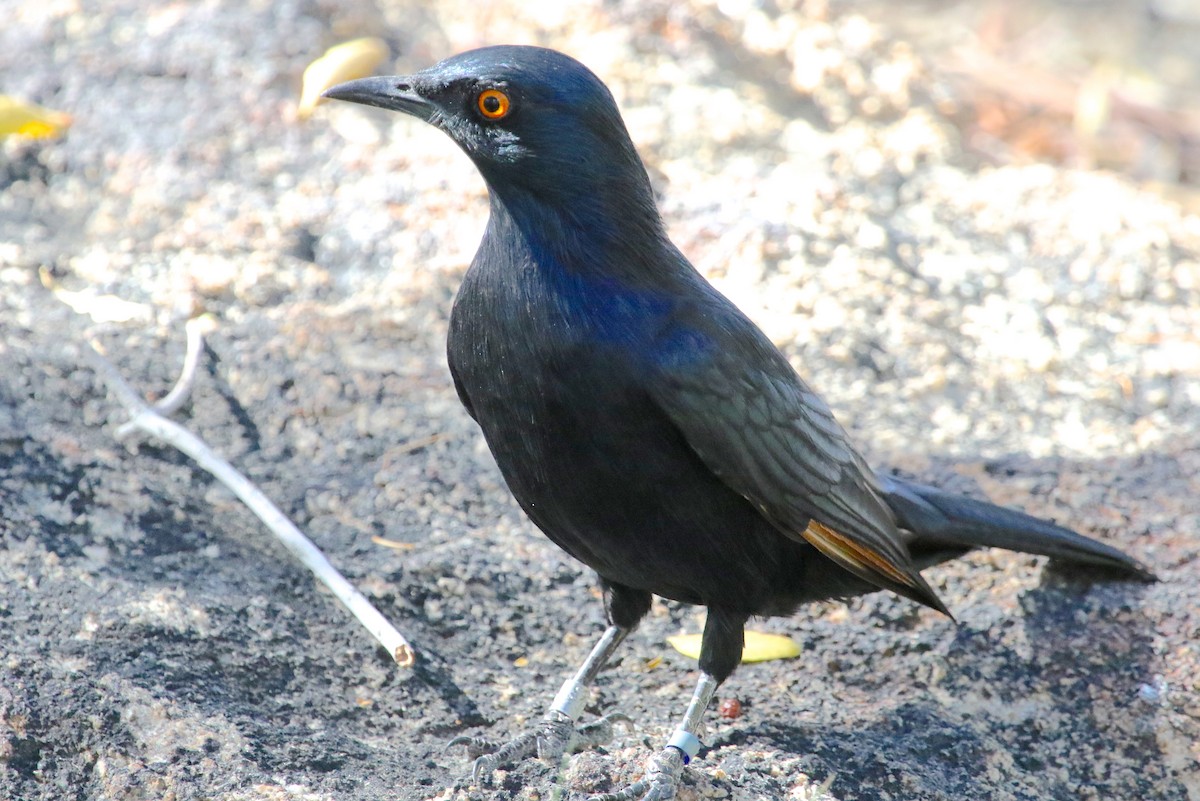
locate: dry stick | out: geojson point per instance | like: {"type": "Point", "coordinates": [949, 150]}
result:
{"type": "Point", "coordinates": [146, 419]}
{"type": "Point", "coordinates": [195, 328]}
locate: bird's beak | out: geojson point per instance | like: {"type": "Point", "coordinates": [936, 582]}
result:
{"type": "Point", "coordinates": [394, 92]}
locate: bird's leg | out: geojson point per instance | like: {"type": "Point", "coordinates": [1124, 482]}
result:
{"type": "Point", "coordinates": [556, 732]}
{"type": "Point", "coordinates": [664, 769]}
{"type": "Point", "coordinates": [720, 653]}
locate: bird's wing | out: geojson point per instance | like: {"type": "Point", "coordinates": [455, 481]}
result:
{"type": "Point", "coordinates": [768, 436]}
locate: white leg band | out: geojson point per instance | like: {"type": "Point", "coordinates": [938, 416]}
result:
{"type": "Point", "coordinates": [686, 742]}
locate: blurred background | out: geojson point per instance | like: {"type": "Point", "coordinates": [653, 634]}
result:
{"type": "Point", "coordinates": [1109, 84]}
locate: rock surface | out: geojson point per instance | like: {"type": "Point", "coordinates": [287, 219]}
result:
{"type": "Point", "coordinates": [1025, 332]}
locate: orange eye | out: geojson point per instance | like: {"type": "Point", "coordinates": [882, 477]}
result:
{"type": "Point", "coordinates": [493, 104]}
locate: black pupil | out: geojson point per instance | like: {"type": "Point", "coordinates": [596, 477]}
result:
{"type": "Point", "coordinates": [491, 104]}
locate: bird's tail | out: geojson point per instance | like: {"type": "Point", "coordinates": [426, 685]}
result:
{"type": "Point", "coordinates": [943, 520]}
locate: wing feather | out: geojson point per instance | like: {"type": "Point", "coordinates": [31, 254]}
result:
{"type": "Point", "coordinates": [767, 435]}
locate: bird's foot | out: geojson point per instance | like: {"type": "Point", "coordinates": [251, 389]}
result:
{"type": "Point", "coordinates": [550, 739]}
{"type": "Point", "coordinates": [660, 782]}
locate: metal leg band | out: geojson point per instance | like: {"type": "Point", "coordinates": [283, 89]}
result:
{"type": "Point", "coordinates": [572, 696]}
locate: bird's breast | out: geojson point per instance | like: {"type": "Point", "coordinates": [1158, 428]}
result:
{"type": "Point", "coordinates": [536, 362]}
{"type": "Point", "coordinates": [559, 390]}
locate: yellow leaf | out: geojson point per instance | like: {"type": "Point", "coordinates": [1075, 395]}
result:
{"type": "Point", "coordinates": [357, 58]}
{"type": "Point", "coordinates": [104, 308]}
{"type": "Point", "coordinates": [759, 647]}
{"type": "Point", "coordinates": [686, 644]}
{"type": "Point", "coordinates": [26, 119]}
{"type": "Point", "coordinates": [399, 546]}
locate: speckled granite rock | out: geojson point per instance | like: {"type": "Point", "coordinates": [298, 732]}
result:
{"type": "Point", "coordinates": [1027, 333]}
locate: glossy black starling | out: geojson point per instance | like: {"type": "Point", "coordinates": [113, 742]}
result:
{"type": "Point", "coordinates": [641, 420]}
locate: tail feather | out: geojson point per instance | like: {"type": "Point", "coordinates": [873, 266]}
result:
{"type": "Point", "coordinates": [941, 519]}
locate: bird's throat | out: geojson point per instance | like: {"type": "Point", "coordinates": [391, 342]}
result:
{"type": "Point", "coordinates": [598, 235]}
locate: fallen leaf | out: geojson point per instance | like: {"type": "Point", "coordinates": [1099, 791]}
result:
{"type": "Point", "coordinates": [357, 58]}
{"type": "Point", "coordinates": [26, 119]}
{"type": "Point", "coordinates": [759, 647]}
{"type": "Point", "coordinates": [386, 543]}
{"type": "Point", "coordinates": [104, 308]}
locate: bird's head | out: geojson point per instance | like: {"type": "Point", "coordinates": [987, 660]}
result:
{"type": "Point", "coordinates": [537, 123]}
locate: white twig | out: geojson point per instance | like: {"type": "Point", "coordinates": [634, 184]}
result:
{"type": "Point", "coordinates": [146, 419]}
{"type": "Point", "coordinates": [195, 328]}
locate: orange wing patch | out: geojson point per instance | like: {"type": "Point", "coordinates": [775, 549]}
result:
{"type": "Point", "coordinates": [850, 553]}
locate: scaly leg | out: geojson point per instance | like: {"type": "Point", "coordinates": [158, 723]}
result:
{"type": "Point", "coordinates": [720, 653]}
{"type": "Point", "coordinates": [556, 733]}
{"type": "Point", "coordinates": [663, 770]}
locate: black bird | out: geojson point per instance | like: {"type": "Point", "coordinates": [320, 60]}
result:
{"type": "Point", "coordinates": [641, 420]}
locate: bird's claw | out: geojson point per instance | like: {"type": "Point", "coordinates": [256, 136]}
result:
{"type": "Point", "coordinates": [660, 782]}
{"type": "Point", "coordinates": [550, 739]}
{"type": "Point", "coordinates": [490, 754]}
{"type": "Point", "coordinates": [599, 731]}
{"type": "Point", "coordinates": [476, 746]}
